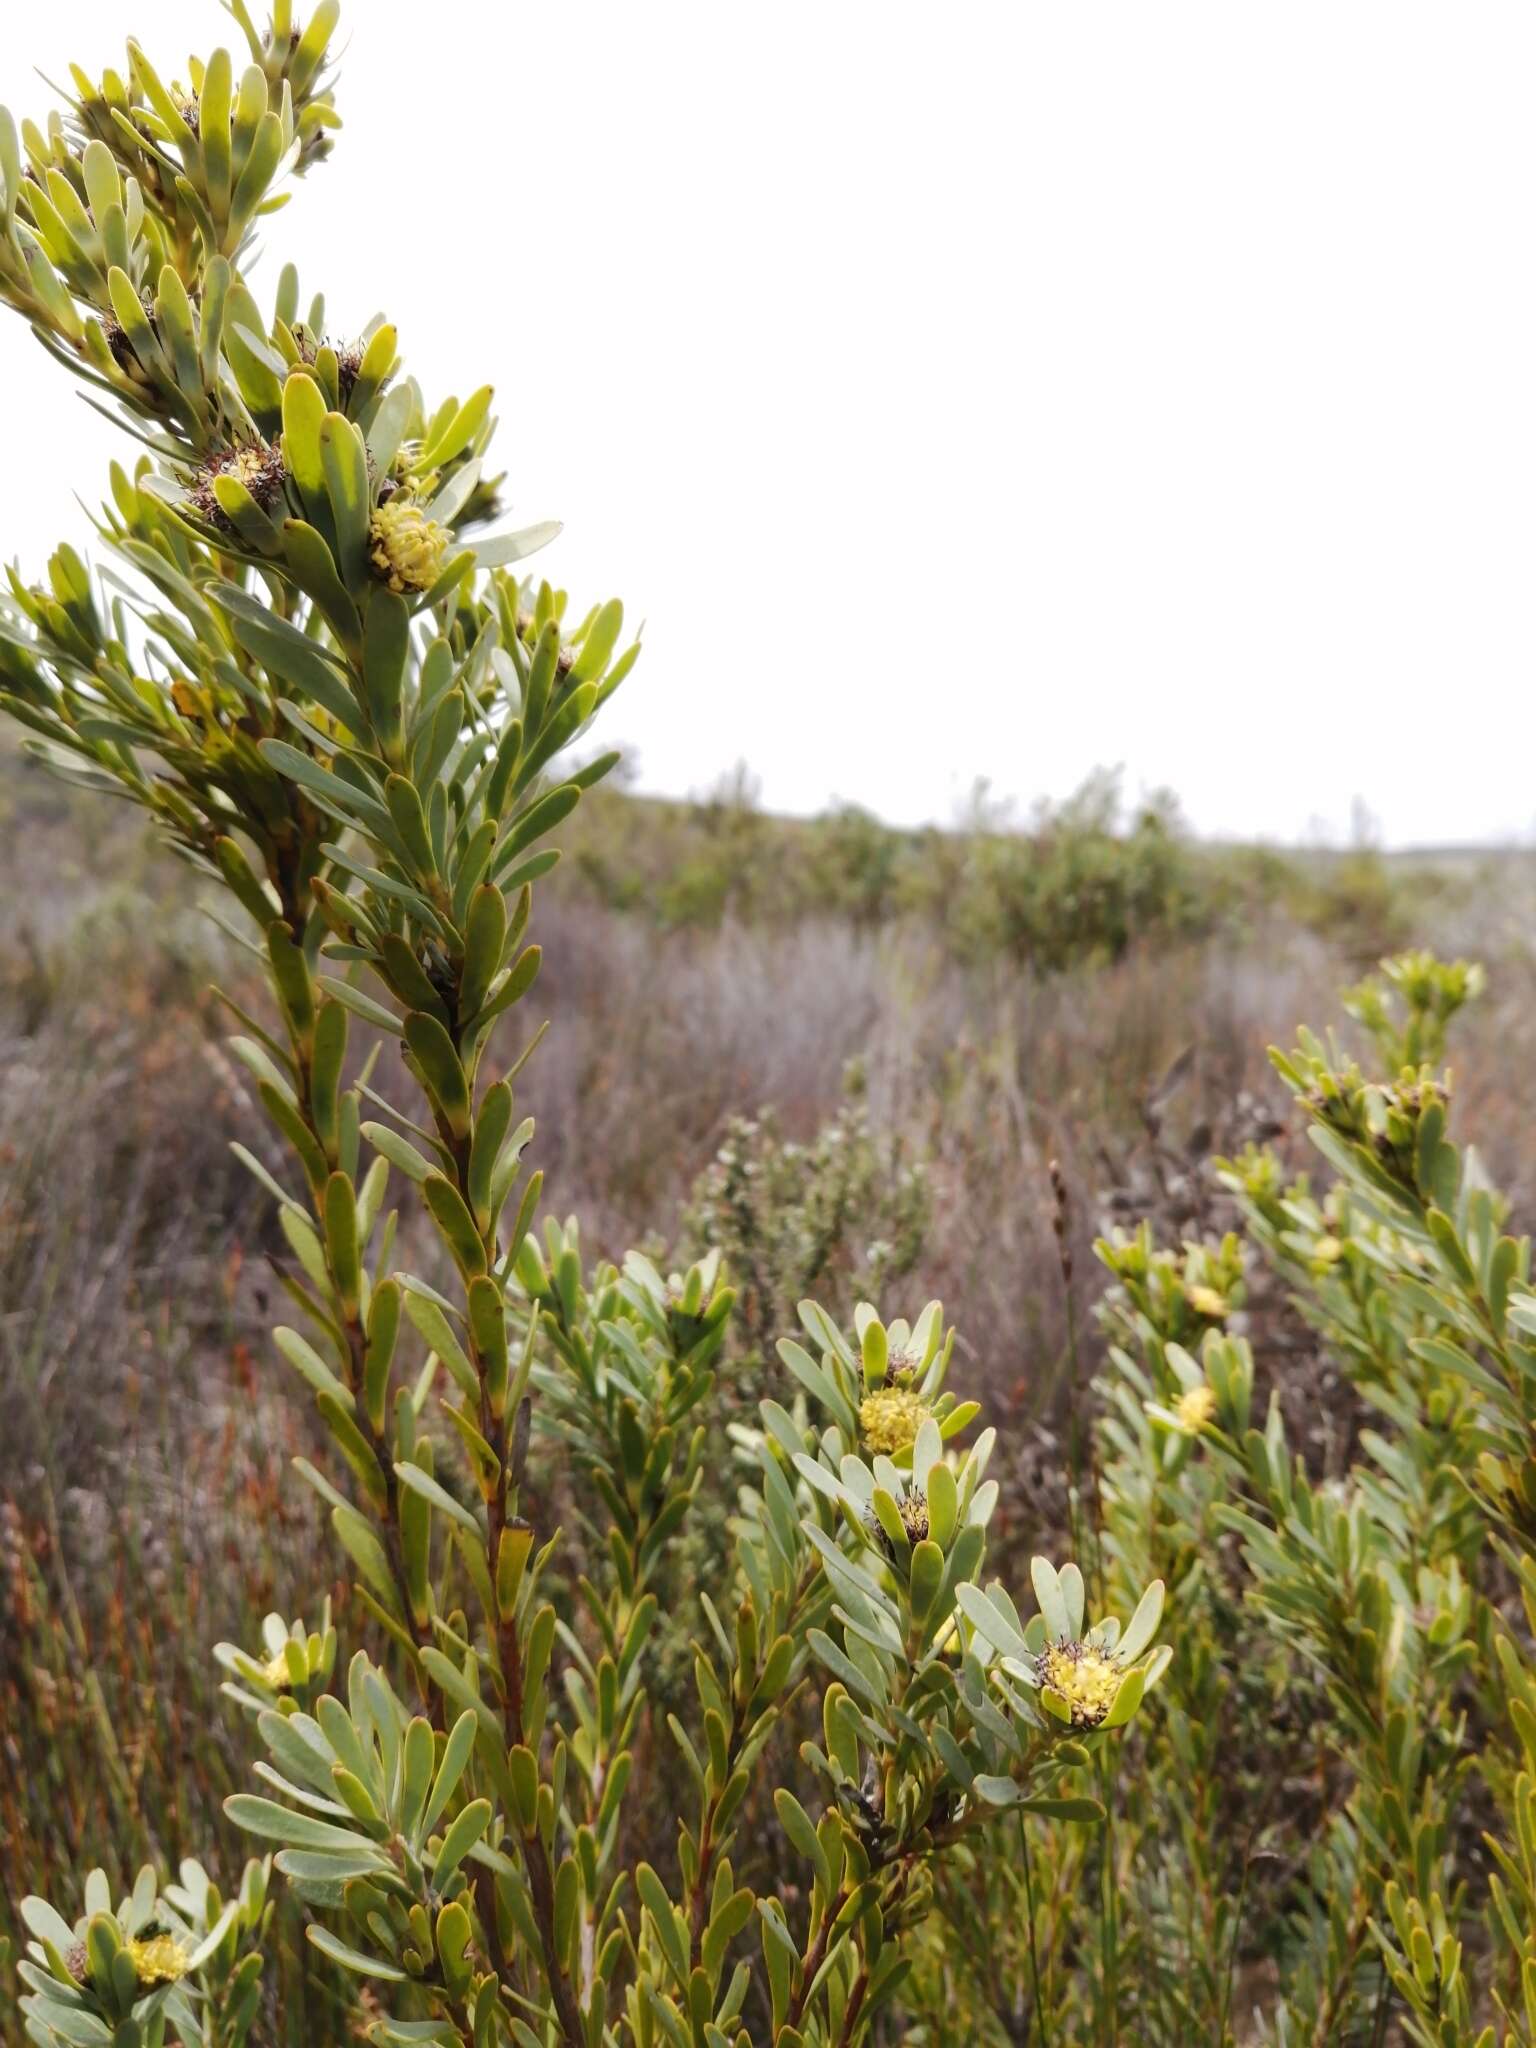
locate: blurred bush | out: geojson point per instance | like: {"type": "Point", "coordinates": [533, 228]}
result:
{"type": "Point", "coordinates": [1074, 882]}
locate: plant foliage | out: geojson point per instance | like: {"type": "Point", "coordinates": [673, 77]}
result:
{"type": "Point", "coordinates": [335, 692]}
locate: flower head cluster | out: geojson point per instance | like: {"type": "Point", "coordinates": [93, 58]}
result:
{"type": "Point", "coordinates": [293, 1662]}
{"type": "Point", "coordinates": [158, 1959]}
{"type": "Point", "coordinates": [407, 549]}
{"type": "Point", "coordinates": [1088, 1677]}
{"type": "Point", "coordinates": [912, 1507]}
{"type": "Point", "coordinates": [1208, 1302]}
{"type": "Point", "coordinates": [275, 1671]}
{"type": "Point", "coordinates": [890, 1418]}
{"type": "Point", "coordinates": [258, 465]}
{"type": "Point", "coordinates": [349, 358]}
{"type": "Point", "coordinates": [1082, 1675]}
{"type": "Point", "coordinates": [1195, 1407]}
{"type": "Point", "coordinates": [349, 367]}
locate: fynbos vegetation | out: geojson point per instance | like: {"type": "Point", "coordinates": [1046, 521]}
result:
{"type": "Point", "coordinates": [339, 701]}
{"type": "Point", "coordinates": [688, 1667]}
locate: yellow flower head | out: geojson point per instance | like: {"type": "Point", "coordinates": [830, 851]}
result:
{"type": "Point", "coordinates": [890, 1418]}
{"type": "Point", "coordinates": [275, 1671]}
{"type": "Point", "coordinates": [162, 1959]}
{"type": "Point", "coordinates": [1206, 1301]}
{"type": "Point", "coordinates": [406, 548]}
{"type": "Point", "coordinates": [1195, 1408]}
{"type": "Point", "coordinates": [1086, 1677]}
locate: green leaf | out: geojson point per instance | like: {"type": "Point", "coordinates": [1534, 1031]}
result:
{"type": "Point", "coordinates": [213, 107]}
{"type": "Point", "coordinates": [456, 1754]}
{"type": "Point", "coordinates": [290, 657]}
{"type": "Point", "coordinates": [485, 938]}
{"type": "Point", "coordinates": [943, 1505]}
{"type": "Point", "coordinates": [1086, 1811]}
{"type": "Point", "coordinates": [411, 823]}
{"type": "Point", "coordinates": [456, 1224]}
{"type": "Point", "coordinates": [341, 1241]}
{"type": "Point", "coordinates": [386, 649]}
{"type": "Point", "coordinates": [313, 567]}
{"type": "Point", "coordinates": [440, 1070]}
{"type": "Point", "coordinates": [925, 1579]}
{"type": "Point", "coordinates": [1142, 1625]}
{"type": "Point", "coordinates": [541, 817]}
{"type": "Point", "coordinates": [797, 1824]}
{"type": "Point", "coordinates": [424, 1484]}
{"type": "Point", "coordinates": [988, 1619]}
{"type": "Point", "coordinates": [434, 1325]}
{"type": "Point", "coordinates": [601, 639]}
{"type": "Point", "coordinates": [653, 1896]}
{"type": "Point", "coordinates": [276, 1823]}
{"type": "Point", "coordinates": [459, 431]}
{"type": "Point", "coordinates": [500, 549]}
{"type": "Point", "coordinates": [360, 1005]}
{"type": "Point", "coordinates": [303, 418]}
{"type": "Point", "coordinates": [346, 479]}
{"type": "Point", "coordinates": [451, 1680]}
{"type": "Point", "coordinates": [307, 1362]}
{"type": "Point", "coordinates": [520, 977]}
{"type": "Point", "coordinates": [461, 1837]}
{"type": "Point", "coordinates": [1053, 1604]}
{"type": "Point", "coordinates": [350, 1958]}
{"type": "Point", "coordinates": [399, 1151]}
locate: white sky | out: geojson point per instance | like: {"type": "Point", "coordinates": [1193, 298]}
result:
{"type": "Point", "coordinates": [980, 390]}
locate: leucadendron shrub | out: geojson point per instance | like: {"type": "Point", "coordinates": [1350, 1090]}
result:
{"type": "Point", "coordinates": [1327, 1833]}
{"type": "Point", "coordinates": [309, 655]}
{"type": "Point", "coordinates": [1324, 1833]}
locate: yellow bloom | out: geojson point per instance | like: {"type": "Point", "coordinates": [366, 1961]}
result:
{"type": "Point", "coordinates": [1082, 1675]}
{"type": "Point", "coordinates": [1207, 1302]}
{"type": "Point", "coordinates": [160, 1960]}
{"type": "Point", "coordinates": [275, 1672]}
{"type": "Point", "coordinates": [406, 548]}
{"type": "Point", "coordinates": [890, 1418]}
{"type": "Point", "coordinates": [1195, 1408]}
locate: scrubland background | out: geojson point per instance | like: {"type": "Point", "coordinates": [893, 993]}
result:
{"type": "Point", "coordinates": [848, 1053]}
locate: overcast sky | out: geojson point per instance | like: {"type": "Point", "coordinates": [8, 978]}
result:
{"type": "Point", "coordinates": [993, 390]}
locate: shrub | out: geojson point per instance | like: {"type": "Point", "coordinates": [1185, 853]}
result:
{"type": "Point", "coordinates": [652, 1713]}
{"type": "Point", "coordinates": [340, 704]}
{"type": "Point", "coordinates": [846, 1211]}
